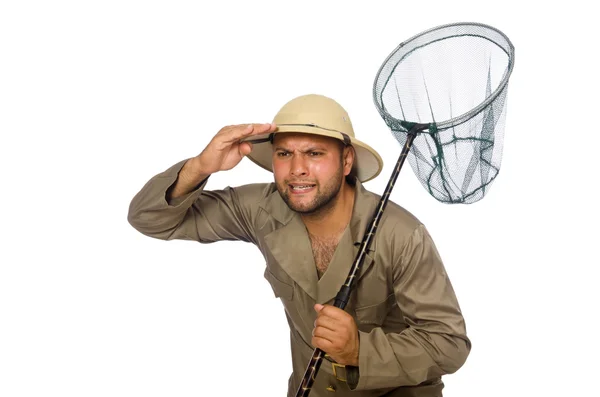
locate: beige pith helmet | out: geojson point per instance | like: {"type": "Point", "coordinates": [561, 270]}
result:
{"type": "Point", "coordinates": [320, 115]}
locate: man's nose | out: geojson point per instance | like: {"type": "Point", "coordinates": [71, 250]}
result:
{"type": "Point", "coordinates": [298, 167]}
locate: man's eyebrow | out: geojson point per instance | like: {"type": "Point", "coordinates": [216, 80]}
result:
{"type": "Point", "coordinates": [316, 149]}
{"type": "Point", "coordinates": [310, 149]}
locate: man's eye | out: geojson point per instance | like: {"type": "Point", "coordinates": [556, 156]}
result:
{"type": "Point", "coordinates": [315, 153]}
{"type": "Point", "coordinates": [282, 154]}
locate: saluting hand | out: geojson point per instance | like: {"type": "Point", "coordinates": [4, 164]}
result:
{"type": "Point", "coordinates": [336, 334]}
{"type": "Point", "coordinates": [225, 150]}
{"type": "Point", "coordinates": [222, 153]}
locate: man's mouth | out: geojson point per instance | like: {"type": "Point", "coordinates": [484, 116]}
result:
{"type": "Point", "coordinates": [300, 187]}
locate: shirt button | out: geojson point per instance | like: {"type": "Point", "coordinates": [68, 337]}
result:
{"type": "Point", "coordinates": [330, 388]}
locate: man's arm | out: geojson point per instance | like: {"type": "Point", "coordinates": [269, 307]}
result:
{"type": "Point", "coordinates": [189, 178]}
{"type": "Point", "coordinates": [173, 205]}
{"type": "Point", "coordinates": [435, 342]}
{"type": "Point", "coordinates": [199, 215]}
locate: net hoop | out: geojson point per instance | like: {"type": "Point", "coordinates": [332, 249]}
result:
{"type": "Point", "coordinates": [404, 49]}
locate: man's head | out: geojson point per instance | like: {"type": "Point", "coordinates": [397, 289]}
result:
{"type": "Point", "coordinates": [319, 117]}
{"type": "Point", "coordinates": [310, 170]}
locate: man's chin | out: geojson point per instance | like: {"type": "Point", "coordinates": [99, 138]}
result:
{"type": "Point", "coordinates": [302, 208]}
{"type": "Point", "coordinates": [294, 205]}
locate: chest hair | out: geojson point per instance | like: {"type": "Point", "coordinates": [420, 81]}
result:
{"type": "Point", "coordinates": [323, 249]}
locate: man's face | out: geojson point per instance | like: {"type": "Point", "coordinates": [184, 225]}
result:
{"type": "Point", "coordinates": [309, 170]}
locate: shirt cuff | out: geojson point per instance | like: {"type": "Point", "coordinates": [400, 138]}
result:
{"type": "Point", "coordinates": [352, 376]}
{"type": "Point", "coordinates": [174, 202]}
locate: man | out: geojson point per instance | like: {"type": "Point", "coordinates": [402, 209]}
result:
{"type": "Point", "coordinates": [402, 328]}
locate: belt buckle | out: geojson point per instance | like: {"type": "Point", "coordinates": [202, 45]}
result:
{"type": "Point", "coordinates": [334, 367]}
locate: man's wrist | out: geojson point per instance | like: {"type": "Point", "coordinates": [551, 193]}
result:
{"type": "Point", "coordinates": [190, 177]}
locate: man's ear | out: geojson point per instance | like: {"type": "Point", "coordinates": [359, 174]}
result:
{"type": "Point", "coordinates": [348, 159]}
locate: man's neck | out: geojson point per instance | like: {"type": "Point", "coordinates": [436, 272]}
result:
{"type": "Point", "coordinates": [333, 220]}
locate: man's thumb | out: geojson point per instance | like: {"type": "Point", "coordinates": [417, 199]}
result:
{"type": "Point", "coordinates": [245, 148]}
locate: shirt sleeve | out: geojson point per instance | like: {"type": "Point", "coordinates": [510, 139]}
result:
{"type": "Point", "coordinates": [201, 215]}
{"type": "Point", "coordinates": [435, 342]}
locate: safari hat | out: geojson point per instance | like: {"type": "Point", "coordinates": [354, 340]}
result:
{"type": "Point", "coordinates": [319, 115]}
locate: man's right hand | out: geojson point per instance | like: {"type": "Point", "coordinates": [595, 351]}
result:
{"type": "Point", "coordinates": [223, 152]}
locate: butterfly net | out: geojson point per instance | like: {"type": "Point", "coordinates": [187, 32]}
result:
{"type": "Point", "coordinates": [455, 79]}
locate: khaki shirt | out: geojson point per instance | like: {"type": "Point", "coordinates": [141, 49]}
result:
{"type": "Point", "coordinates": [411, 329]}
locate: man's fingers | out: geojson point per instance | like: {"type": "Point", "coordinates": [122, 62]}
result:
{"type": "Point", "coordinates": [236, 132]}
{"type": "Point", "coordinates": [263, 128]}
{"type": "Point", "coordinates": [326, 333]}
{"type": "Point", "coordinates": [260, 129]}
{"type": "Point", "coordinates": [333, 312]}
{"type": "Point", "coordinates": [245, 148]}
{"type": "Point", "coordinates": [324, 344]}
{"type": "Point", "coordinates": [327, 322]}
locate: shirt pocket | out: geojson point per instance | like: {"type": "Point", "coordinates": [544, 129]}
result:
{"type": "Point", "coordinates": [374, 315]}
{"type": "Point", "coordinates": [281, 289]}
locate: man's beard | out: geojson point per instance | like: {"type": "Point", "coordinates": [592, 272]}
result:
{"type": "Point", "coordinates": [324, 199]}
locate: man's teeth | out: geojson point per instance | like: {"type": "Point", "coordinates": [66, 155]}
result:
{"type": "Point", "coordinates": [303, 187]}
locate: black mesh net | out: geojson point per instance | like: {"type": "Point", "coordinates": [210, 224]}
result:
{"type": "Point", "coordinates": [454, 78]}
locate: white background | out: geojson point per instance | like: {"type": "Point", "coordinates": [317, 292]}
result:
{"type": "Point", "coordinates": [97, 97]}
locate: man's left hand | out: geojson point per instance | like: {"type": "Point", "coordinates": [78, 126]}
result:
{"type": "Point", "coordinates": [336, 334]}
